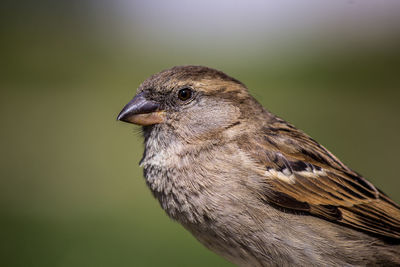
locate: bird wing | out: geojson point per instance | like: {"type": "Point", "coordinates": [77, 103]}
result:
{"type": "Point", "coordinates": [303, 176]}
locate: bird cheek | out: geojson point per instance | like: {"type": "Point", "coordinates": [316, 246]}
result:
{"type": "Point", "coordinates": [202, 123]}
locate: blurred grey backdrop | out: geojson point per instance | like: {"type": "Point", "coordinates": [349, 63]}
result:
{"type": "Point", "coordinates": [71, 190]}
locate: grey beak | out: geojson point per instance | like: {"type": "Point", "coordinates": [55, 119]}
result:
{"type": "Point", "coordinates": [138, 105]}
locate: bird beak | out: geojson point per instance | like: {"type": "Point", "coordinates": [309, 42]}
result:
{"type": "Point", "coordinates": [142, 111]}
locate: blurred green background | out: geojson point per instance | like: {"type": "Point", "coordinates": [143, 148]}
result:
{"type": "Point", "coordinates": [71, 190]}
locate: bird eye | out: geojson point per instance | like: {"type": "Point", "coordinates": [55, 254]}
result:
{"type": "Point", "coordinates": [185, 94]}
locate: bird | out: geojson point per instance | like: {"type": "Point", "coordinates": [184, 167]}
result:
{"type": "Point", "coordinates": [250, 186]}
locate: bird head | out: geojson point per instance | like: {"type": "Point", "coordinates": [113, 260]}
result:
{"type": "Point", "coordinates": [193, 101]}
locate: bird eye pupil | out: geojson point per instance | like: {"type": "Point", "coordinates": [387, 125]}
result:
{"type": "Point", "coordinates": [184, 94]}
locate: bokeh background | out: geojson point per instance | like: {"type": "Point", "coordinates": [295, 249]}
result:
{"type": "Point", "coordinates": [71, 190]}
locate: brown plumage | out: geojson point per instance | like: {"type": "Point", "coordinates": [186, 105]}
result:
{"type": "Point", "coordinates": [249, 185]}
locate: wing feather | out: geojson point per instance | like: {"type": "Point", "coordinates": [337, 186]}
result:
{"type": "Point", "coordinates": [302, 176]}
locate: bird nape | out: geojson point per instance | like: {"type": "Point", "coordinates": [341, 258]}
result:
{"type": "Point", "coordinates": [249, 185]}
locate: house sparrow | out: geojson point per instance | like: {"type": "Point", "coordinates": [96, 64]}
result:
{"type": "Point", "coordinates": [250, 186]}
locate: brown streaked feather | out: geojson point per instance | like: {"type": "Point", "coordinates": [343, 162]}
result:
{"type": "Point", "coordinates": [303, 176]}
